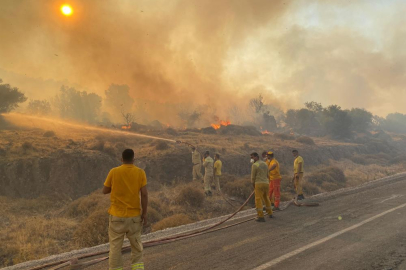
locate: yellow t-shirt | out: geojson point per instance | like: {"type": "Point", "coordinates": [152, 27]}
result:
{"type": "Point", "coordinates": [298, 160]}
{"type": "Point", "coordinates": [125, 182]}
{"type": "Point", "coordinates": [275, 173]}
{"type": "Point", "coordinates": [217, 167]}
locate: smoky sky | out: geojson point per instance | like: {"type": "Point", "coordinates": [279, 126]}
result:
{"type": "Point", "coordinates": [213, 55]}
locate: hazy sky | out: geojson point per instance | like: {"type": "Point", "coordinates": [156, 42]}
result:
{"type": "Point", "coordinates": [220, 52]}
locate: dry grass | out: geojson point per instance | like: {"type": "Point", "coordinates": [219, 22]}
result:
{"type": "Point", "coordinates": [305, 140]}
{"type": "Point", "coordinates": [173, 221]}
{"type": "Point", "coordinates": [191, 196]}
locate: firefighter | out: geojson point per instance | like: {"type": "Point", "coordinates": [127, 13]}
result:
{"type": "Point", "coordinates": [264, 157]}
{"type": "Point", "coordinates": [197, 164]}
{"type": "Point", "coordinates": [127, 185]}
{"type": "Point", "coordinates": [208, 173]}
{"type": "Point", "coordinates": [260, 182]}
{"type": "Point", "coordinates": [298, 174]}
{"type": "Point", "coordinates": [274, 180]}
{"type": "Point", "coordinates": [217, 171]}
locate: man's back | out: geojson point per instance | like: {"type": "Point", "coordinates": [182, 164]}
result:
{"type": "Point", "coordinates": [208, 166]}
{"type": "Point", "coordinates": [125, 182]}
{"type": "Point", "coordinates": [259, 172]}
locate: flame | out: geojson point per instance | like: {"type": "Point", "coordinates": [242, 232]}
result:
{"type": "Point", "coordinates": [266, 132]}
{"type": "Point", "coordinates": [221, 123]}
{"type": "Point", "coordinates": [126, 127]}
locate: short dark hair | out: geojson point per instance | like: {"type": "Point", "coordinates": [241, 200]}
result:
{"type": "Point", "coordinates": [218, 155]}
{"type": "Point", "coordinates": [295, 151]}
{"type": "Point", "coordinates": [128, 155]}
{"type": "Point", "coordinates": [271, 155]}
{"type": "Point", "coordinates": [264, 153]}
{"type": "Point", "coordinates": [255, 154]}
{"type": "Point", "coordinates": [207, 153]}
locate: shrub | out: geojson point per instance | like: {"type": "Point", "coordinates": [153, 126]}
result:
{"type": "Point", "coordinates": [240, 188]}
{"type": "Point", "coordinates": [93, 230]}
{"type": "Point", "coordinates": [305, 140]}
{"type": "Point", "coordinates": [153, 215]}
{"type": "Point", "coordinates": [310, 188]}
{"type": "Point", "coordinates": [171, 131]}
{"type": "Point", "coordinates": [191, 196]}
{"type": "Point", "coordinates": [27, 146]}
{"type": "Point", "coordinates": [172, 221]}
{"type": "Point", "coordinates": [332, 175]}
{"type": "Point", "coordinates": [283, 136]}
{"type": "Point", "coordinates": [97, 145]}
{"type": "Point", "coordinates": [49, 133]}
{"type": "Point", "coordinates": [161, 146]}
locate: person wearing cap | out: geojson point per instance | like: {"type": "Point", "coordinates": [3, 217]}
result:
{"type": "Point", "coordinates": [274, 180]}
{"type": "Point", "coordinates": [208, 173]}
{"type": "Point", "coordinates": [260, 182]}
{"type": "Point", "coordinates": [197, 164]}
{"type": "Point", "coordinates": [298, 171]}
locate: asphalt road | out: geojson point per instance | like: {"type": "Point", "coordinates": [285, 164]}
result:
{"type": "Point", "coordinates": [371, 234]}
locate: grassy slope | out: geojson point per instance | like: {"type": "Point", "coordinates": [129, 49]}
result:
{"type": "Point", "coordinates": [51, 223]}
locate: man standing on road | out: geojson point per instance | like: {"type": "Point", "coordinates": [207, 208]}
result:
{"type": "Point", "coordinates": [208, 173]}
{"type": "Point", "coordinates": [128, 212]}
{"type": "Point", "coordinates": [217, 171]}
{"type": "Point", "coordinates": [260, 182]}
{"type": "Point", "coordinates": [274, 180]}
{"type": "Point", "coordinates": [298, 171]}
{"type": "Point", "coordinates": [197, 164]}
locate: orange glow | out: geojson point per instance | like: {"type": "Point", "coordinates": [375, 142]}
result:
{"type": "Point", "coordinates": [66, 10]}
{"type": "Point", "coordinates": [266, 132]}
{"type": "Point", "coordinates": [126, 127]}
{"type": "Point", "coordinates": [221, 123]}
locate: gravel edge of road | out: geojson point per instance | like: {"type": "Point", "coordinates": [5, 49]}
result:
{"type": "Point", "coordinates": [198, 225]}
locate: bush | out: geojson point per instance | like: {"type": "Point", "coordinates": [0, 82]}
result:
{"type": "Point", "coordinates": [305, 140]}
{"type": "Point", "coordinates": [161, 146]}
{"type": "Point", "coordinates": [240, 188]}
{"type": "Point", "coordinates": [191, 196]}
{"type": "Point", "coordinates": [153, 215]}
{"type": "Point", "coordinates": [98, 145]}
{"type": "Point", "coordinates": [332, 175]}
{"type": "Point", "coordinates": [171, 131]}
{"type": "Point", "coordinates": [27, 146]}
{"type": "Point", "coordinates": [93, 230]}
{"type": "Point", "coordinates": [283, 136]}
{"type": "Point", "coordinates": [49, 133]}
{"type": "Point", "coordinates": [310, 188]}
{"type": "Point", "coordinates": [173, 221]}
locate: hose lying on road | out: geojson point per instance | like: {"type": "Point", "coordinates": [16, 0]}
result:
{"type": "Point", "coordinates": [74, 264]}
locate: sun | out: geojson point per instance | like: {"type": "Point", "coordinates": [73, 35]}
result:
{"type": "Point", "coordinates": [66, 10]}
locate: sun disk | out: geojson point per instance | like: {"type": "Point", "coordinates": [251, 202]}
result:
{"type": "Point", "coordinates": [66, 10]}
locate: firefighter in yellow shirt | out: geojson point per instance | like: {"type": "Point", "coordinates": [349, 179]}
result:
{"type": "Point", "coordinates": [260, 181]}
{"type": "Point", "coordinates": [208, 173]}
{"type": "Point", "coordinates": [274, 180]}
{"type": "Point", "coordinates": [217, 171]}
{"type": "Point", "coordinates": [128, 210]}
{"type": "Point", "coordinates": [197, 164]}
{"type": "Point", "coordinates": [298, 171]}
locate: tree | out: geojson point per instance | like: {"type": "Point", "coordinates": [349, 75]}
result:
{"type": "Point", "coordinates": [78, 105]}
{"type": "Point", "coordinates": [336, 121]}
{"type": "Point", "coordinates": [314, 106]}
{"type": "Point", "coordinates": [257, 103]}
{"type": "Point", "coordinates": [118, 99]}
{"type": "Point", "coordinates": [128, 118]}
{"type": "Point", "coordinates": [395, 122]}
{"type": "Point", "coordinates": [39, 107]}
{"type": "Point", "coordinates": [361, 119]}
{"type": "Point", "coordinates": [10, 97]}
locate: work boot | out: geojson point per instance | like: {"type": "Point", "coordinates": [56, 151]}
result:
{"type": "Point", "coordinates": [270, 216]}
{"type": "Point", "coordinates": [277, 209]}
{"type": "Point", "coordinates": [260, 219]}
{"type": "Point", "coordinates": [300, 197]}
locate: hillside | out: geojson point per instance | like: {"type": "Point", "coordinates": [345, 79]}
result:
{"type": "Point", "coordinates": [51, 173]}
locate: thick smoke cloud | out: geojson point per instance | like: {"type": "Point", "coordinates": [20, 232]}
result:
{"type": "Point", "coordinates": [210, 55]}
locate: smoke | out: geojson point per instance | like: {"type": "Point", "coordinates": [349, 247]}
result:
{"type": "Point", "coordinates": [213, 55]}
